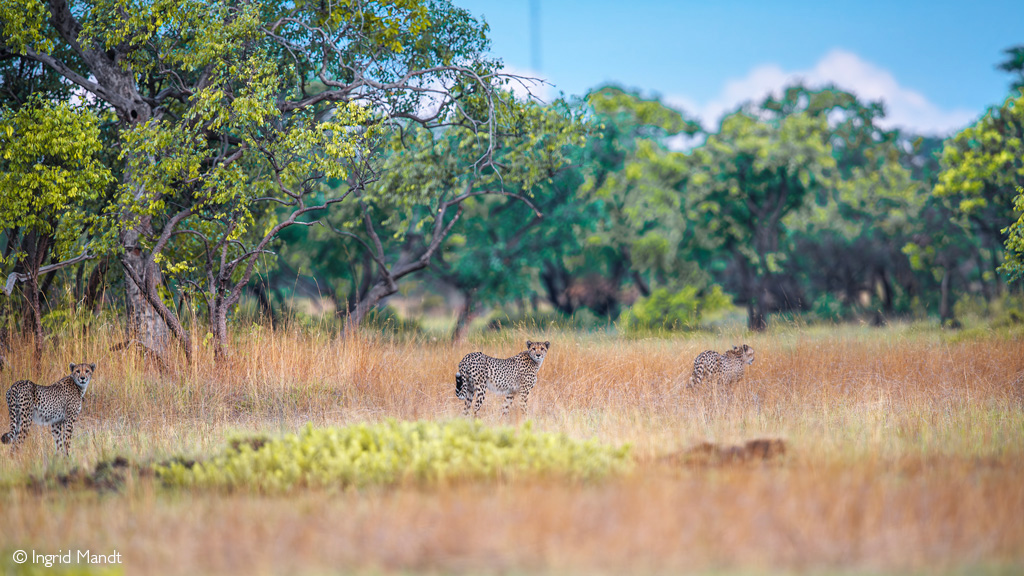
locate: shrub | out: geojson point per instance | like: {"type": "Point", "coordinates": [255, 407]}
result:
{"type": "Point", "coordinates": [393, 452]}
{"type": "Point", "coordinates": [682, 310]}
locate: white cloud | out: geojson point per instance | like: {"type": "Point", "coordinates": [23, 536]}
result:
{"type": "Point", "coordinates": [904, 107]}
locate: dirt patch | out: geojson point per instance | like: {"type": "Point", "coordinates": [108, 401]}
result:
{"type": "Point", "coordinates": [712, 454]}
{"type": "Point", "coordinates": [109, 476]}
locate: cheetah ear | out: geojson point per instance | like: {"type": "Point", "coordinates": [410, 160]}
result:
{"type": "Point", "coordinates": [72, 367]}
{"type": "Point", "coordinates": [529, 343]}
{"type": "Point", "coordinates": [547, 344]}
{"type": "Point", "coordinates": [92, 367]}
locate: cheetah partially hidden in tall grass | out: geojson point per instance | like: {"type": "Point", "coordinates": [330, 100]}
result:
{"type": "Point", "coordinates": [508, 376]}
{"type": "Point", "coordinates": [57, 405]}
{"type": "Point", "coordinates": [721, 369]}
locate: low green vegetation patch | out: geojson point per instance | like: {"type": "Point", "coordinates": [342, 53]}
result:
{"type": "Point", "coordinates": [394, 452]}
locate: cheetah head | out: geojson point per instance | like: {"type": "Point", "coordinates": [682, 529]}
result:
{"type": "Point", "coordinates": [537, 350]}
{"type": "Point", "coordinates": [81, 374]}
{"type": "Point", "coordinates": [747, 353]}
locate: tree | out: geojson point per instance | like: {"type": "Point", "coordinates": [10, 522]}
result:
{"type": "Point", "coordinates": [212, 97]}
{"type": "Point", "coordinates": [48, 175]}
{"type": "Point", "coordinates": [1014, 264]}
{"type": "Point", "coordinates": [847, 247]}
{"type": "Point", "coordinates": [1014, 64]}
{"type": "Point", "coordinates": [625, 223]}
{"type": "Point", "coordinates": [425, 186]}
{"type": "Point", "coordinates": [763, 166]}
{"type": "Point", "coordinates": [982, 167]}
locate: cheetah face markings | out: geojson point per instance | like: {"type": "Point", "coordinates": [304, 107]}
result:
{"type": "Point", "coordinates": [81, 374]}
{"type": "Point", "coordinates": [537, 350]}
{"type": "Point", "coordinates": [748, 355]}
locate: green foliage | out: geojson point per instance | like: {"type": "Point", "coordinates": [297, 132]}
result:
{"type": "Point", "coordinates": [1014, 264]}
{"type": "Point", "coordinates": [633, 182]}
{"type": "Point", "coordinates": [394, 452]}
{"type": "Point", "coordinates": [983, 169]}
{"type": "Point", "coordinates": [49, 172]}
{"type": "Point", "coordinates": [667, 310]}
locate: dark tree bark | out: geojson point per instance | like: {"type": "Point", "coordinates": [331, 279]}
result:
{"type": "Point", "coordinates": [465, 316]}
{"type": "Point", "coordinates": [95, 289]}
{"type": "Point", "coordinates": [945, 306]}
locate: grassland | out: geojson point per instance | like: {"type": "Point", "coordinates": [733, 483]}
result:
{"type": "Point", "coordinates": [904, 453]}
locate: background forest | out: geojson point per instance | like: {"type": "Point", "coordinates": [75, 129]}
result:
{"type": "Point", "coordinates": [186, 169]}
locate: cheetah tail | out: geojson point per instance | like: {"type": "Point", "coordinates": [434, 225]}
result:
{"type": "Point", "coordinates": [460, 383]}
{"type": "Point", "coordinates": [6, 438]}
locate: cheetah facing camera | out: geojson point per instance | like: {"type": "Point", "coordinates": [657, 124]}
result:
{"type": "Point", "coordinates": [725, 369]}
{"type": "Point", "coordinates": [57, 405]}
{"type": "Point", "coordinates": [508, 376]}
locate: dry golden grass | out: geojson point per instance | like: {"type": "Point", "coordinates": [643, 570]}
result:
{"type": "Point", "coordinates": [904, 452]}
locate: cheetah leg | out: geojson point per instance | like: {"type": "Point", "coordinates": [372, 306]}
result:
{"type": "Point", "coordinates": [508, 403]}
{"type": "Point", "coordinates": [524, 395]}
{"type": "Point", "coordinates": [24, 425]}
{"type": "Point", "coordinates": [57, 430]}
{"type": "Point", "coordinates": [469, 403]}
{"type": "Point", "coordinates": [478, 400]}
{"type": "Point", "coordinates": [69, 427]}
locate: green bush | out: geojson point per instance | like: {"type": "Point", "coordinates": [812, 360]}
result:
{"type": "Point", "coordinates": [682, 310]}
{"type": "Point", "coordinates": [394, 452]}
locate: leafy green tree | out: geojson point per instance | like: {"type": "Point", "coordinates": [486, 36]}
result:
{"type": "Point", "coordinates": [625, 224]}
{"type": "Point", "coordinates": [763, 166]}
{"type": "Point", "coordinates": [1014, 264]}
{"type": "Point", "coordinates": [847, 246]}
{"type": "Point", "coordinates": [983, 165]}
{"type": "Point", "coordinates": [1014, 64]}
{"type": "Point", "coordinates": [223, 104]}
{"type": "Point", "coordinates": [425, 186]}
{"type": "Point", "coordinates": [49, 173]}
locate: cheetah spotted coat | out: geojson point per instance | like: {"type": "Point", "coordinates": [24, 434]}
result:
{"type": "Point", "coordinates": [57, 405]}
{"type": "Point", "coordinates": [479, 373]}
{"type": "Point", "coordinates": [723, 369]}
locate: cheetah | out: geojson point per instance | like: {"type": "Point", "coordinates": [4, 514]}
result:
{"type": "Point", "coordinates": [57, 405]}
{"type": "Point", "coordinates": [509, 376]}
{"type": "Point", "coordinates": [725, 369]}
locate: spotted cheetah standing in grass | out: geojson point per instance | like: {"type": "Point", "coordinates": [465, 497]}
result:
{"type": "Point", "coordinates": [508, 376]}
{"type": "Point", "coordinates": [724, 369]}
{"type": "Point", "coordinates": [57, 405]}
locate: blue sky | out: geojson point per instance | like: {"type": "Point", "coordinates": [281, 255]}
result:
{"type": "Point", "coordinates": [933, 63]}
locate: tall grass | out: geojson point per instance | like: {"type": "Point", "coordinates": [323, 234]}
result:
{"type": "Point", "coordinates": [905, 450]}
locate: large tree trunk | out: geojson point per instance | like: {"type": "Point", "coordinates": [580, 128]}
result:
{"type": "Point", "coordinates": [145, 324]}
{"type": "Point", "coordinates": [556, 282]}
{"type": "Point", "coordinates": [219, 328]}
{"type": "Point", "coordinates": [380, 291]}
{"type": "Point", "coordinates": [945, 306]}
{"type": "Point", "coordinates": [95, 289]}
{"type": "Point", "coordinates": [38, 245]}
{"type": "Point", "coordinates": [756, 315]}
{"type": "Point", "coordinates": [464, 317]}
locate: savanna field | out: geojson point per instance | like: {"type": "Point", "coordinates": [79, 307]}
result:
{"type": "Point", "coordinates": [897, 450]}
